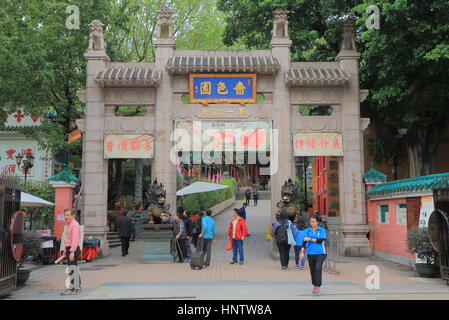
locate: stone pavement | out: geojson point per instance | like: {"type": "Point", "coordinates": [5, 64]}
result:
{"type": "Point", "coordinates": [260, 277]}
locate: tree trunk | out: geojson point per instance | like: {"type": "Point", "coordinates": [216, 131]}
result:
{"type": "Point", "coordinates": [422, 153]}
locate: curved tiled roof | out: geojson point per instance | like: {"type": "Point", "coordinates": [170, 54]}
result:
{"type": "Point", "coordinates": [189, 64]}
{"type": "Point", "coordinates": [374, 176]}
{"type": "Point", "coordinates": [416, 184]}
{"type": "Point", "coordinates": [128, 77]}
{"type": "Point", "coordinates": [307, 76]}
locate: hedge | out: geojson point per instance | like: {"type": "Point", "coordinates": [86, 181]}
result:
{"type": "Point", "coordinates": [192, 202]}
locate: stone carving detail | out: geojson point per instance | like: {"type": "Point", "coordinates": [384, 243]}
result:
{"type": "Point", "coordinates": [348, 42]}
{"type": "Point", "coordinates": [120, 125]}
{"type": "Point", "coordinates": [280, 25]}
{"type": "Point", "coordinates": [96, 41]}
{"type": "Point", "coordinates": [158, 209]}
{"type": "Point", "coordinates": [289, 192]}
{"type": "Point", "coordinates": [319, 123]}
{"type": "Point", "coordinates": [137, 96]}
{"type": "Point", "coordinates": [163, 27]}
{"type": "Point", "coordinates": [316, 96]}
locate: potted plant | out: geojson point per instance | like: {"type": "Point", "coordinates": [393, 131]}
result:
{"type": "Point", "coordinates": [418, 243]}
{"type": "Point", "coordinates": [31, 248]}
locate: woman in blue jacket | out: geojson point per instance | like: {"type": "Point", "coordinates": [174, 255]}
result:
{"type": "Point", "coordinates": [316, 251]}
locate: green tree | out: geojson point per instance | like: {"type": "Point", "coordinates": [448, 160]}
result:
{"type": "Point", "coordinates": [314, 25]}
{"type": "Point", "coordinates": [404, 64]}
{"type": "Point", "coordinates": [42, 64]}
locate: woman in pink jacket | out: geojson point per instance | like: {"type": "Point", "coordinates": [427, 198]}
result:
{"type": "Point", "coordinates": [72, 251]}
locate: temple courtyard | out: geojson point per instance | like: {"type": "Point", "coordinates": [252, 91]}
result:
{"type": "Point", "coordinates": [259, 278]}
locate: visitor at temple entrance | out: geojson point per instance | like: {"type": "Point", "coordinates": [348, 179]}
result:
{"type": "Point", "coordinates": [208, 235]}
{"type": "Point", "coordinates": [179, 231]}
{"type": "Point", "coordinates": [279, 233]}
{"type": "Point", "coordinates": [255, 197]}
{"type": "Point", "coordinates": [196, 229]}
{"type": "Point", "coordinates": [125, 228]}
{"type": "Point", "coordinates": [247, 196]}
{"type": "Point", "coordinates": [72, 251]}
{"type": "Point", "coordinates": [314, 237]}
{"type": "Point", "coordinates": [188, 225]}
{"type": "Point", "coordinates": [237, 232]}
{"type": "Point", "coordinates": [298, 228]}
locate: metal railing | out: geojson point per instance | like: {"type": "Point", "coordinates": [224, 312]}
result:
{"type": "Point", "coordinates": [333, 246]}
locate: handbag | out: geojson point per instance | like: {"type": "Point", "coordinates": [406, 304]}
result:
{"type": "Point", "coordinates": [229, 246]}
{"type": "Point", "coordinates": [291, 239]}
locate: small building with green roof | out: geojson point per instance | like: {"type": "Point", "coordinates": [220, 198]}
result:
{"type": "Point", "coordinates": [395, 207]}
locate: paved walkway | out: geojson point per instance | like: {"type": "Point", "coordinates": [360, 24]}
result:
{"type": "Point", "coordinates": [117, 277]}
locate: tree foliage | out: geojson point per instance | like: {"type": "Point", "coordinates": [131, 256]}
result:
{"type": "Point", "coordinates": [42, 62]}
{"type": "Point", "coordinates": [404, 63]}
{"type": "Point", "coordinates": [405, 67]}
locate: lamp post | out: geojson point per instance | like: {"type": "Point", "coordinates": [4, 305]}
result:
{"type": "Point", "coordinates": [27, 163]}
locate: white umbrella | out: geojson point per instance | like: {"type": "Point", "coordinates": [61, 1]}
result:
{"type": "Point", "coordinates": [28, 200]}
{"type": "Point", "coordinates": [199, 187]}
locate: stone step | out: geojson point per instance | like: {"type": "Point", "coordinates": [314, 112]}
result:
{"type": "Point", "coordinates": [113, 239]}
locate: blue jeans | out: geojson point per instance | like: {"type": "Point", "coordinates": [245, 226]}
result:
{"type": "Point", "coordinates": [297, 252]}
{"type": "Point", "coordinates": [237, 245]}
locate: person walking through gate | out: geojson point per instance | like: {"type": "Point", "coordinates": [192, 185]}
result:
{"type": "Point", "coordinates": [237, 232]}
{"type": "Point", "coordinates": [255, 197]}
{"type": "Point", "coordinates": [188, 225]}
{"type": "Point", "coordinates": [314, 237]}
{"type": "Point", "coordinates": [247, 196]}
{"type": "Point", "coordinates": [179, 231]}
{"type": "Point", "coordinates": [196, 229]}
{"type": "Point", "coordinates": [72, 251]}
{"type": "Point", "coordinates": [298, 235]}
{"type": "Point", "coordinates": [208, 234]}
{"type": "Point", "coordinates": [279, 232]}
{"type": "Point", "coordinates": [125, 228]}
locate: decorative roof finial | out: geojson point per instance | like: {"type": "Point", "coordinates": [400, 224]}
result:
{"type": "Point", "coordinates": [96, 41]}
{"type": "Point", "coordinates": [163, 27]}
{"type": "Point", "coordinates": [280, 24]}
{"type": "Point", "coordinates": [348, 41]}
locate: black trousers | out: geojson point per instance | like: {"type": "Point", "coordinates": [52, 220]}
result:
{"type": "Point", "coordinates": [255, 201]}
{"type": "Point", "coordinates": [181, 248]}
{"type": "Point", "coordinates": [284, 253]}
{"type": "Point", "coordinates": [75, 260]}
{"type": "Point", "coordinates": [125, 245]}
{"type": "Point", "coordinates": [316, 268]}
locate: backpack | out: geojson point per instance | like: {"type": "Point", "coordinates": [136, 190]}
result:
{"type": "Point", "coordinates": [281, 233]}
{"type": "Point", "coordinates": [196, 229]}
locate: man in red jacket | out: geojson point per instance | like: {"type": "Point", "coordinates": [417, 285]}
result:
{"type": "Point", "coordinates": [237, 232]}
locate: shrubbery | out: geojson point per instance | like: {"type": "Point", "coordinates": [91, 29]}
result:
{"type": "Point", "coordinates": [193, 202]}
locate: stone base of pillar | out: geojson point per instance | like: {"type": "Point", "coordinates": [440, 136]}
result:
{"type": "Point", "coordinates": [158, 244]}
{"type": "Point", "coordinates": [355, 241]}
{"type": "Point", "coordinates": [104, 244]}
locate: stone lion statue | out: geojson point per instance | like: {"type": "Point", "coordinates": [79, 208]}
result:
{"type": "Point", "coordinates": [158, 209]}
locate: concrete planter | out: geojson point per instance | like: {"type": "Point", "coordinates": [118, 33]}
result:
{"type": "Point", "coordinates": [428, 270]}
{"type": "Point", "coordinates": [22, 276]}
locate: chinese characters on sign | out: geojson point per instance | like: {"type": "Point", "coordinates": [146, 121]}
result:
{"type": "Point", "coordinates": [8, 163]}
{"type": "Point", "coordinates": [225, 88]}
{"type": "Point", "coordinates": [317, 144]}
{"type": "Point", "coordinates": [128, 147]}
{"type": "Point", "coordinates": [222, 136]}
{"type": "Point", "coordinates": [223, 113]}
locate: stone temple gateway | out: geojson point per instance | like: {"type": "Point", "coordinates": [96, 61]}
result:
{"type": "Point", "coordinates": [160, 87]}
